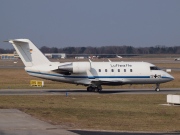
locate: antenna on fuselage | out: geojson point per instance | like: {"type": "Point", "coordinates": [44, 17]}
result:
{"type": "Point", "coordinates": [109, 60]}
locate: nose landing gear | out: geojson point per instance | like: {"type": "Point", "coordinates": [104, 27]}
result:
{"type": "Point", "coordinates": [157, 88]}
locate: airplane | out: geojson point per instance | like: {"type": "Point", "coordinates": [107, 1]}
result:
{"type": "Point", "coordinates": [177, 59]}
{"type": "Point", "coordinates": [118, 56]}
{"type": "Point", "coordinates": [90, 74]}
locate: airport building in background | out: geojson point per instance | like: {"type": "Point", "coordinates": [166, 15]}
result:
{"type": "Point", "coordinates": [55, 55]}
{"type": "Point", "coordinates": [48, 55]}
{"type": "Point", "coordinates": [9, 56]}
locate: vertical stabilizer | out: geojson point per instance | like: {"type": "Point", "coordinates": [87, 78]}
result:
{"type": "Point", "coordinates": [29, 53]}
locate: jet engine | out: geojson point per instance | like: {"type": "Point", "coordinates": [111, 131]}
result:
{"type": "Point", "coordinates": [75, 67]}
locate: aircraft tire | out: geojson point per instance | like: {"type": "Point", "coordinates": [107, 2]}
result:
{"type": "Point", "coordinates": [99, 88]}
{"type": "Point", "coordinates": [157, 89]}
{"type": "Point", "coordinates": [90, 89]}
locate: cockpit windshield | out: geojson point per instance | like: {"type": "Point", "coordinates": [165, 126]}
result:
{"type": "Point", "coordinates": [154, 68]}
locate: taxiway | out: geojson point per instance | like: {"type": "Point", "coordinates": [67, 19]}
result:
{"type": "Point", "coordinates": [83, 91]}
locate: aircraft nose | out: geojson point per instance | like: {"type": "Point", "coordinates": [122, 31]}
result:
{"type": "Point", "coordinates": [170, 77]}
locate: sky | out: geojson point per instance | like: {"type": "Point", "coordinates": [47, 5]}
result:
{"type": "Point", "coordinates": [64, 23]}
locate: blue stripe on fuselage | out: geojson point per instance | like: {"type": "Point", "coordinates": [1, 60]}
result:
{"type": "Point", "coordinates": [89, 77]}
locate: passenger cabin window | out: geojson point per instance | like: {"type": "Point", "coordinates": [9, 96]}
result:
{"type": "Point", "coordinates": [118, 70]}
{"type": "Point", "coordinates": [124, 70]}
{"type": "Point", "coordinates": [154, 68]}
{"type": "Point", "coordinates": [105, 70]}
{"type": "Point", "coordinates": [99, 70]}
{"type": "Point", "coordinates": [130, 70]}
{"type": "Point", "coordinates": [112, 70]}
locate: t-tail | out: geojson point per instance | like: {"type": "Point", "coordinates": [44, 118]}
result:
{"type": "Point", "coordinates": [29, 53]}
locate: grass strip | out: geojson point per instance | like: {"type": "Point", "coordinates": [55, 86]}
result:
{"type": "Point", "coordinates": [105, 112]}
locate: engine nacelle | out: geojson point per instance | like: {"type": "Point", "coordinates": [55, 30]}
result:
{"type": "Point", "coordinates": [81, 67]}
{"type": "Point", "coordinates": [75, 67]}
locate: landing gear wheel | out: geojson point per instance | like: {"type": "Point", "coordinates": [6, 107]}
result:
{"type": "Point", "coordinates": [90, 89]}
{"type": "Point", "coordinates": [99, 89]}
{"type": "Point", "coordinates": [94, 88]}
{"type": "Point", "coordinates": [157, 88]}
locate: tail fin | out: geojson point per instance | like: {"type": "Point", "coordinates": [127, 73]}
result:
{"type": "Point", "coordinates": [29, 53]}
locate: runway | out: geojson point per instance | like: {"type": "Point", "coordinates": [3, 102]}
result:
{"type": "Point", "coordinates": [67, 92]}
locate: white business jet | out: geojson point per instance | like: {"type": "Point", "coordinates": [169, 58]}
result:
{"type": "Point", "coordinates": [90, 74]}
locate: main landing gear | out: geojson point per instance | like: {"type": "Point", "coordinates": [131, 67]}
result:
{"type": "Point", "coordinates": [94, 88]}
{"type": "Point", "coordinates": [157, 88]}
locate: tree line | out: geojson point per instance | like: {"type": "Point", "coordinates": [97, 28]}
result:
{"type": "Point", "coordinates": [113, 50]}
{"type": "Point", "coordinates": [107, 50]}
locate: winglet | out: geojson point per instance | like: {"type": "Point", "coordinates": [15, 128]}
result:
{"type": "Point", "coordinates": [90, 60]}
{"type": "Point", "coordinates": [109, 60]}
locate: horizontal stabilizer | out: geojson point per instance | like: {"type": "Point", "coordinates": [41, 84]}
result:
{"type": "Point", "coordinates": [18, 41]}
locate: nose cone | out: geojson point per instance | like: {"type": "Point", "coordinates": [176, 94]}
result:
{"type": "Point", "coordinates": [169, 77]}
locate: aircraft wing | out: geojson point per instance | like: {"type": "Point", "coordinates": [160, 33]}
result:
{"type": "Point", "coordinates": [108, 82]}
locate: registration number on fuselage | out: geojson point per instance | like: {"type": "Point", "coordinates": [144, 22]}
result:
{"type": "Point", "coordinates": [155, 76]}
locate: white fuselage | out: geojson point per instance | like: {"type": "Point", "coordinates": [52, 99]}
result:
{"type": "Point", "coordinates": [104, 73]}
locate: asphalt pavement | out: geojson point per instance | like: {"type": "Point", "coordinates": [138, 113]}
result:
{"type": "Point", "coordinates": [83, 91]}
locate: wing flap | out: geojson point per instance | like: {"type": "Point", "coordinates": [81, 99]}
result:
{"type": "Point", "coordinates": [108, 82]}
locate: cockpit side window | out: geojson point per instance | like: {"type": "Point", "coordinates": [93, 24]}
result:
{"type": "Point", "coordinates": [154, 68]}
